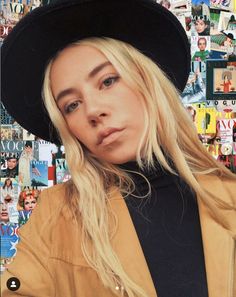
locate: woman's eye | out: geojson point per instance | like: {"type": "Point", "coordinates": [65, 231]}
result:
{"type": "Point", "coordinates": [71, 107]}
{"type": "Point", "coordinates": [109, 81]}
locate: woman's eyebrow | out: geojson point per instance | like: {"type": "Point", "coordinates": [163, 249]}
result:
{"type": "Point", "coordinates": [98, 68]}
{"type": "Point", "coordinates": [64, 93]}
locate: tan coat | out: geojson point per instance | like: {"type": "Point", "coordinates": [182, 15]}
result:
{"type": "Point", "coordinates": [51, 264]}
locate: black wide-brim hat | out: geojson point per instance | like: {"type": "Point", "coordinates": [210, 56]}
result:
{"type": "Point", "coordinates": [26, 51]}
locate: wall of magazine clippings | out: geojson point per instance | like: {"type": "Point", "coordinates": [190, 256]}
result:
{"type": "Point", "coordinates": [28, 165]}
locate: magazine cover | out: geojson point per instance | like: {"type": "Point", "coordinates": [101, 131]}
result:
{"type": "Point", "coordinates": [222, 4]}
{"type": "Point", "coordinates": [200, 48]}
{"type": "Point", "coordinates": [225, 130]}
{"type": "Point", "coordinates": [195, 89]}
{"type": "Point", "coordinates": [214, 17]}
{"type": "Point", "coordinates": [200, 26]}
{"type": "Point", "coordinates": [9, 240]}
{"type": "Point", "coordinates": [9, 190]}
{"type": "Point", "coordinates": [62, 173]}
{"type": "Point", "coordinates": [223, 33]}
{"type": "Point", "coordinates": [17, 132]}
{"type": "Point", "coordinates": [6, 132]}
{"type": "Point", "coordinates": [39, 173]}
{"type": "Point", "coordinates": [221, 80]}
{"type": "Point", "coordinates": [227, 21]}
{"type": "Point", "coordinates": [206, 120]}
{"type": "Point", "coordinates": [9, 164]}
{"type": "Point", "coordinates": [47, 150]}
{"type": "Point", "coordinates": [201, 8]}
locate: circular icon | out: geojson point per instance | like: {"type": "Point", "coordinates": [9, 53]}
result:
{"type": "Point", "coordinates": [226, 149]}
{"type": "Point", "coordinates": [13, 284]}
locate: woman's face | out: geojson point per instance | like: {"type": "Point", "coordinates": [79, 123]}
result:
{"type": "Point", "coordinates": [8, 182]}
{"type": "Point", "coordinates": [202, 44]}
{"type": "Point", "coordinates": [4, 216]}
{"type": "Point", "coordinates": [30, 203]}
{"type": "Point", "coordinates": [101, 110]}
{"type": "Point", "coordinates": [11, 163]}
{"type": "Point", "coordinates": [28, 149]}
{"type": "Point", "coordinates": [200, 26]}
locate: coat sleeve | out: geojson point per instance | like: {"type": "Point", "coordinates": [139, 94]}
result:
{"type": "Point", "coordinates": [30, 265]}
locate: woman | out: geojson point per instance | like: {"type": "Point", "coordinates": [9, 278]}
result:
{"type": "Point", "coordinates": [127, 223]}
{"type": "Point", "coordinates": [8, 191]}
{"type": "Point", "coordinates": [226, 84]}
{"type": "Point", "coordinates": [12, 168]}
{"type": "Point", "coordinates": [24, 164]}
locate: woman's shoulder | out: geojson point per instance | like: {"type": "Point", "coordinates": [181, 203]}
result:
{"type": "Point", "coordinates": [49, 205]}
{"type": "Point", "coordinates": [55, 193]}
{"type": "Point", "coordinates": [221, 185]}
{"type": "Point", "coordinates": [50, 200]}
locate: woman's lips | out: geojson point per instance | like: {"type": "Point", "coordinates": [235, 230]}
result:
{"type": "Point", "coordinates": [109, 135]}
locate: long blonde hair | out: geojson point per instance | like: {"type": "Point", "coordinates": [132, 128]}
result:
{"type": "Point", "coordinates": [168, 128]}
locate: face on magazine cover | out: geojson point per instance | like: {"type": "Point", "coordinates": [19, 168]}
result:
{"type": "Point", "coordinates": [4, 216]}
{"type": "Point", "coordinates": [200, 26]}
{"type": "Point", "coordinates": [202, 43]}
{"type": "Point", "coordinates": [11, 163]}
{"type": "Point", "coordinates": [101, 110]}
{"type": "Point", "coordinates": [30, 202]}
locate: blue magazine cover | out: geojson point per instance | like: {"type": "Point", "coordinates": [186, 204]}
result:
{"type": "Point", "coordinates": [9, 240]}
{"type": "Point", "coordinates": [39, 173]}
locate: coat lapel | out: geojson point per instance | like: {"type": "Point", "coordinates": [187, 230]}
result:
{"type": "Point", "coordinates": [127, 246]}
{"type": "Point", "coordinates": [218, 251]}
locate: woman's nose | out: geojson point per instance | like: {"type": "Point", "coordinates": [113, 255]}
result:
{"type": "Point", "coordinates": [96, 118]}
{"type": "Point", "coordinates": [96, 112]}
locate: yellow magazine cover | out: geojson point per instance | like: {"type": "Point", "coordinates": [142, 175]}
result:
{"type": "Point", "coordinates": [206, 120]}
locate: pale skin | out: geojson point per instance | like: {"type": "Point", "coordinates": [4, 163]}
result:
{"type": "Point", "coordinates": [200, 26]}
{"type": "Point", "coordinates": [30, 203]}
{"type": "Point", "coordinates": [202, 44]}
{"type": "Point", "coordinates": [94, 99]}
{"type": "Point", "coordinates": [11, 163]}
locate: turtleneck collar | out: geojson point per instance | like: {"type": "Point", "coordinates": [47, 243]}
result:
{"type": "Point", "coordinates": [156, 176]}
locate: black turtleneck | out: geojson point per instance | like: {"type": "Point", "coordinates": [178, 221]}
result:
{"type": "Point", "coordinates": [168, 227]}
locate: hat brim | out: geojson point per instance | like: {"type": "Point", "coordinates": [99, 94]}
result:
{"type": "Point", "coordinates": [146, 25]}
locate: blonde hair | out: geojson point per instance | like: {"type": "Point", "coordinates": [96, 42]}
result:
{"type": "Point", "coordinates": [168, 128]}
